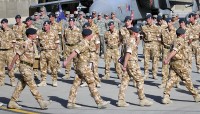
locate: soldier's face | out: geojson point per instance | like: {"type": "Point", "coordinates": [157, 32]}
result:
{"type": "Point", "coordinates": [149, 20]}
{"type": "Point", "coordinates": [28, 23]}
{"type": "Point", "coordinates": [111, 27]}
{"type": "Point", "coordinates": [191, 19]}
{"type": "Point", "coordinates": [4, 25]}
{"type": "Point", "coordinates": [71, 23]}
{"type": "Point", "coordinates": [182, 24]}
{"type": "Point", "coordinates": [169, 24]}
{"type": "Point", "coordinates": [46, 27]}
{"type": "Point", "coordinates": [128, 22]}
{"type": "Point", "coordinates": [18, 20]}
{"type": "Point", "coordinates": [90, 20]}
{"type": "Point", "coordinates": [52, 18]}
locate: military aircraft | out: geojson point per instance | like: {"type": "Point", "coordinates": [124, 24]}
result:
{"type": "Point", "coordinates": [136, 8]}
{"type": "Point", "coordinates": [139, 8]}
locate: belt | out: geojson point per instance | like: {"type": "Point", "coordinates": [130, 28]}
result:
{"type": "Point", "coordinates": [167, 47]}
{"type": "Point", "coordinates": [147, 41]}
{"type": "Point", "coordinates": [4, 49]}
{"type": "Point", "coordinates": [112, 47]}
{"type": "Point", "coordinates": [26, 63]}
{"type": "Point", "coordinates": [194, 40]}
{"type": "Point", "coordinates": [71, 44]}
{"type": "Point", "coordinates": [19, 39]}
{"type": "Point", "coordinates": [47, 49]}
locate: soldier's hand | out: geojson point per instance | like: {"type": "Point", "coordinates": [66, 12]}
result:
{"type": "Point", "coordinates": [10, 67]}
{"type": "Point", "coordinates": [166, 62]}
{"type": "Point", "coordinates": [64, 64]}
{"type": "Point", "coordinates": [123, 68]}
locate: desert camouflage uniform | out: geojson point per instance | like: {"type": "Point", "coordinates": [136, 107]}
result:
{"type": "Point", "coordinates": [18, 29]}
{"type": "Point", "coordinates": [178, 68]}
{"type": "Point", "coordinates": [72, 38]}
{"type": "Point", "coordinates": [102, 29]}
{"type": "Point", "coordinates": [83, 72]}
{"type": "Point", "coordinates": [7, 40]}
{"type": "Point", "coordinates": [49, 43]}
{"type": "Point", "coordinates": [151, 49]}
{"type": "Point", "coordinates": [112, 52]}
{"type": "Point", "coordinates": [194, 36]}
{"type": "Point", "coordinates": [26, 51]}
{"type": "Point", "coordinates": [167, 38]}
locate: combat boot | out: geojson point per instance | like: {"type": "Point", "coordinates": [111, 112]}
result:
{"type": "Point", "coordinates": [146, 76]}
{"type": "Point", "coordinates": [98, 85]}
{"type": "Point", "coordinates": [55, 83]}
{"type": "Point", "coordinates": [166, 100]}
{"type": "Point", "coordinates": [197, 98]}
{"type": "Point", "coordinates": [103, 104]}
{"type": "Point", "coordinates": [13, 105]}
{"type": "Point", "coordinates": [146, 102]}
{"type": "Point", "coordinates": [43, 104]}
{"type": "Point", "coordinates": [105, 77]}
{"type": "Point", "coordinates": [161, 86]}
{"type": "Point", "coordinates": [66, 76]}
{"type": "Point", "coordinates": [177, 85]}
{"type": "Point", "coordinates": [122, 103]}
{"type": "Point", "coordinates": [72, 106]}
{"type": "Point", "coordinates": [155, 77]}
{"type": "Point", "coordinates": [84, 84]}
{"type": "Point", "coordinates": [42, 83]}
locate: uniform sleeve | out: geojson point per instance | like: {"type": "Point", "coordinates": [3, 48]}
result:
{"type": "Point", "coordinates": [178, 45]}
{"type": "Point", "coordinates": [81, 47]}
{"type": "Point", "coordinates": [20, 48]}
{"type": "Point", "coordinates": [13, 36]}
{"type": "Point", "coordinates": [97, 41]}
{"type": "Point", "coordinates": [57, 41]}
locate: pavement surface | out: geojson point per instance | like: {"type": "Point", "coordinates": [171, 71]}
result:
{"type": "Point", "coordinates": [183, 102]}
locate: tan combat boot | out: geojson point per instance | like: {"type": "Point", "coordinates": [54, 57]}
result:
{"type": "Point", "coordinates": [42, 83]}
{"type": "Point", "coordinates": [55, 83]}
{"type": "Point", "coordinates": [105, 77]}
{"type": "Point", "coordinates": [98, 85]}
{"type": "Point", "coordinates": [197, 98]}
{"type": "Point", "coordinates": [66, 76]}
{"type": "Point", "coordinates": [72, 106]}
{"type": "Point", "coordinates": [146, 76]}
{"type": "Point", "coordinates": [103, 104]}
{"type": "Point", "coordinates": [13, 105]}
{"type": "Point", "coordinates": [166, 100]}
{"type": "Point", "coordinates": [43, 104]}
{"type": "Point", "coordinates": [146, 102]}
{"type": "Point", "coordinates": [84, 84]}
{"type": "Point", "coordinates": [122, 103]}
{"type": "Point", "coordinates": [13, 84]}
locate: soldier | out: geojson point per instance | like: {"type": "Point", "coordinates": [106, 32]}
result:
{"type": "Point", "coordinates": [102, 29]}
{"type": "Point", "coordinates": [178, 68]}
{"type": "Point", "coordinates": [197, 19]}
{"type": "Point", "coordinates": [107, 20]}
{"type": "Point", "coordinates": [175, 19]}
{"type": "Point", "coordinates": [112, 51]}
{"type": "Point", "coordinates": [25, 53]}
{"type": "Point", "coordinates": [72, 37]}
{"type": "Point", "coordinates": [81, 21]}
{"type": "Point", "coordinates": [49, 42]}
{"type": "Point", "coordinates": [131, 68]}
{"type": "Point", "coordinates": [94, 57]}
{"type": "Point", "coordinates": [116, 21]}
{"type": "Point", "coordinates": [151, 46]}
{"type": "Point", "coordinates": [29, 24]}
{"type": "Point", "coordinates": [94, 16]}
{"type": "Point", "coordinates": [43, 13]}
{"type": "Point", "coordinates": [168, 35]}
{"type": "Point", "coordinates": [194, 39]}
{"type": "Point", "coordinates": [83, 72]}
{"type": "Point", "coordinates": [37, 21]}
{"type": "Point", "coordinates": [7, 42]}
{"type": "Point", "coordinates": [18, 28]}
{"type": "Point", "coordinates": [76, 15]}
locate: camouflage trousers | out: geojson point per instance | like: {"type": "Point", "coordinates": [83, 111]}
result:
{"type": "Point", "coordinates": [165, 68]}
{"type": "Point", "coordinates": [94, 58]}
{"type": "Point", "coordinates": [109, 55]}
{"type": "Point", "coordinates": [133, 70]}
{"type": "Point", "coordinates": [189, 58]}
{"type": "Point", "coordinates": [178, 69]}
{"type": "Point", "coordinates": [196, 51]}
{"type": "Point", "coordinates": [84, 73]}
{"type": "Point", "coordinates": [102, 45]}
{"type": "Point", "coordinates": [48, 57]}
{"type": "Point", "coordinates": [68, 51]}
{"type": "Point", "coordinates": [151, 49]}
{"type": "Point", "coordinates": [6, 57]}
{"type": "Point", "coordinates": [26, 79]}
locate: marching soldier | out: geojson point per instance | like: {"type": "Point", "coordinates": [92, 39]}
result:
{"type": "Point", "coordinates": [7, 45]}
{"type": "Point", "coordinates": [151, 46]}
{"type": "Point", "coordinates": [94, 57]}
{"type": "Point", "coordinates": [178, 68]}
{"type": "Point", "coordinates": [83, 72]}
{"type": "Point", "coordinates": [112, 50]}
{"type": "Point", "coordinates": [131, 68]}
{"type": "Point", "coordinates": [49, 42]}
{"type": "Point", "coordinates": [72, 37]}
{"type": "Point", "coordinates": [168, 35]}
{"type": "Point", "coordinates": [25, 53]}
